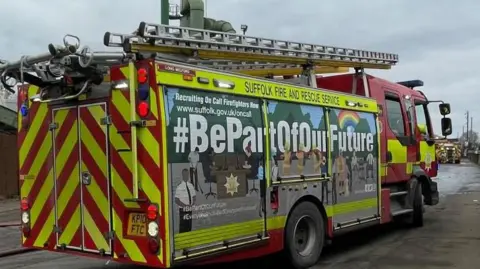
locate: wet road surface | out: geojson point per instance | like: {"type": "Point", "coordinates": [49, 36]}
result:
{"type": "Point", "coordinates": [450, 237]}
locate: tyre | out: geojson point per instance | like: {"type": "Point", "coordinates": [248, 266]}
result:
{"type": "Point", "coordinates": [304, 236]}
{"type": "Point", "coordinates": [417, 214]}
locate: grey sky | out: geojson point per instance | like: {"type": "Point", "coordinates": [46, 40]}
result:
{"type": "Point", "coordinates": [436, 40]}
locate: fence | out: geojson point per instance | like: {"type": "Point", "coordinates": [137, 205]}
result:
{"type": "Point", "coordinates": [9, 184]}
{"type": "Point", "coordinates": [474, 156]}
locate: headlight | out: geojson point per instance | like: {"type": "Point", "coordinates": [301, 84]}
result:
{"type": "Point", "coordinates": [153, 229]}
{"type": "Point", "coordinates": [25, 217]}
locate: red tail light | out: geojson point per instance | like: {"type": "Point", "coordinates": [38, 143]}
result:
{"type": "Point", "coordinates": [143, 109]}
{"type": "Point", "coordinates": [142, 75]}
{"type": "Point", "coordinates": [152, 212]}
{"type": "Point", "coordinates": [24, 204]}
{"type": "Point", "coordinates": [153, 245]}
{"type": "Point", "coordinates": [26, 231]}
{"type": "Point", "coordinates": [143, 91]}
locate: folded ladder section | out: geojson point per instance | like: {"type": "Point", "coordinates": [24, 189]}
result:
{"type": "Point", "coordinates": [245, 54]}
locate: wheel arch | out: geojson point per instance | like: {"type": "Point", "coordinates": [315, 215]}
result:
{"type": "Point", "coordinates": [314, 200]}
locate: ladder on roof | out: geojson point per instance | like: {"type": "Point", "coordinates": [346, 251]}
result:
{"type": "Point", "coordinates": [245, 54]}
{"type": "Point", "coordinates": [224, 51]}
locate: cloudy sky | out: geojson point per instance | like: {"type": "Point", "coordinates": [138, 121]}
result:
{"type": "Point", "coordinates": [437, 40]}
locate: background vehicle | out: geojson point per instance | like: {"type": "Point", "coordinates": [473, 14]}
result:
{"type": "Point", "coordinates": [449, 150]}
{"type": "Point", "coordinates": [146, 157]}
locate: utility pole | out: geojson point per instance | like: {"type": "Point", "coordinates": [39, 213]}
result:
{"type": "Point", "coordinates": [471, 129]}
{"type": "Point", "coordinates": [468, 120]}
{"type": "Point", "coordinates": [164, 12]}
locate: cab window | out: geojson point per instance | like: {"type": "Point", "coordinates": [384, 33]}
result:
{"type": "Point", "coordinates": [395, 116]}
{"type": "Point", "coordinates": [422, 116]}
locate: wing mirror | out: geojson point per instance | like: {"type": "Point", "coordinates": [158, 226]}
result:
{"type": "Point", "coordinates": [444, 109]}
{"type": "Point", "coordinates": [446, 126]}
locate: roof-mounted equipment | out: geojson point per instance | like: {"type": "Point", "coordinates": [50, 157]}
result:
{"type": "Point", "coordinates": [411, 83]}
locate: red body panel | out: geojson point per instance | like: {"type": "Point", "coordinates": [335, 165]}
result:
{"type": "Point", "coordinates": [386, 214]}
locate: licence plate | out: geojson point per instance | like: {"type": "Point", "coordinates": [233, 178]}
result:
{"type": "Point", "coordinates": [137, 224]}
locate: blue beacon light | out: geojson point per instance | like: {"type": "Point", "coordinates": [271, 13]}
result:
{"type": "Point", "coordinates": [24, 110]}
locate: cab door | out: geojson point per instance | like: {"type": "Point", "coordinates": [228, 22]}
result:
{"type": "Point", "coordinates": [413, 146]}
{"type": "Point", "coordinates": [426, 156]}
{"type": "Point", "coordinates": [397, 136]}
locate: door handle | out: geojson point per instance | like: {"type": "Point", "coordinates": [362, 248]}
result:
{"type": "Point", "coordinates": [86, 178]}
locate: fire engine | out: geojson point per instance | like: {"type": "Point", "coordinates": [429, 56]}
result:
{"type": "Point", "coordinates": [448, 150]}
{"type": "Point", "coordinates": [190, 146]}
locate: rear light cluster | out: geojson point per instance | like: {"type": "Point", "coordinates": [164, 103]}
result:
{"type": "Point", "coordinates": [25, 209]}
{"type": "Point", "coordinates": [153, 229]}
{"type": "Point", "coordinates": [143, 91]}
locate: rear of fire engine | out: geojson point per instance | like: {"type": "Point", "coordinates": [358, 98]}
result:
{"type": "Point", "coordinates": [89, 156]}
{"type": "Point", "coordinates": [94, 162]}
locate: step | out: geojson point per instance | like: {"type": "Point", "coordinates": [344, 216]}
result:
{"type": "Point", "coordinates": [401, 212]}
{"type": "Point", "coordinates": [399, 193]}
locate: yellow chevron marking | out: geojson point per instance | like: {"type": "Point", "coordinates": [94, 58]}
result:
{"type": "Point", "coordinates": [47, 187]}
{"type": "Point", "coordinates": [46, 231]}
{"type": "Point", "coordinates": [93, 230]}
{"type": "Point", "coordinates": [94, 149]}
{"type": "Point", "coordinates": [150, 144]}
{"type": "Point", "coordinates": [67, 192]}
{"type": "Point", "coordinates": [40, 158]}
{"type": "Point", "coordinates": [118, 184]}
{"type": "Point", "coordinates": [144, 135]}
{"type": "Point", "coordinates": [153, 103]}
{"type": "Point", "coordinates": [149, 186]}
{"type": "Point", "coordinates": [130, 246]}
{"type": "Point", "coordinates": [122, 104]}
{"type": "Point", "coordinates": [97, 112]}
{"type": "Point", "coordinates": [72, 227]}
{"type": "Point", "coordinates": [147, 139]}
{"type": "Point", "coordinates": [35, 126]}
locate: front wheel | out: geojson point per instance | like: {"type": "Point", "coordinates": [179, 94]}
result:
{"type": "Point", "coordinates": [304, 236]}
{"type": "Point", "coordinates": [416, 217]}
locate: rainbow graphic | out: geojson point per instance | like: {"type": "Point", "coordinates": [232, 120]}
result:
{"type": "Point", "coordinates": [348, 119]}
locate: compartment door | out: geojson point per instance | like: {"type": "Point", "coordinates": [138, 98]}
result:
{"type": "Point", "coordinates": [215, 170]}
{"type": "Point", "coordinates": [66, 169]}
{"type": "Point", "coordinates": [94, 178]}
{"type": "Point", "coordinates": [355, 166]}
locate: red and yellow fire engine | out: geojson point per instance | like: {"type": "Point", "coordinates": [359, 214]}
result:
{"type": "Point", "coordinates": [194, 146]}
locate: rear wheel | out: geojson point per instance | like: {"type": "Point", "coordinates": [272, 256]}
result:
{"type": "Point", "coordinates": [304, 236]}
